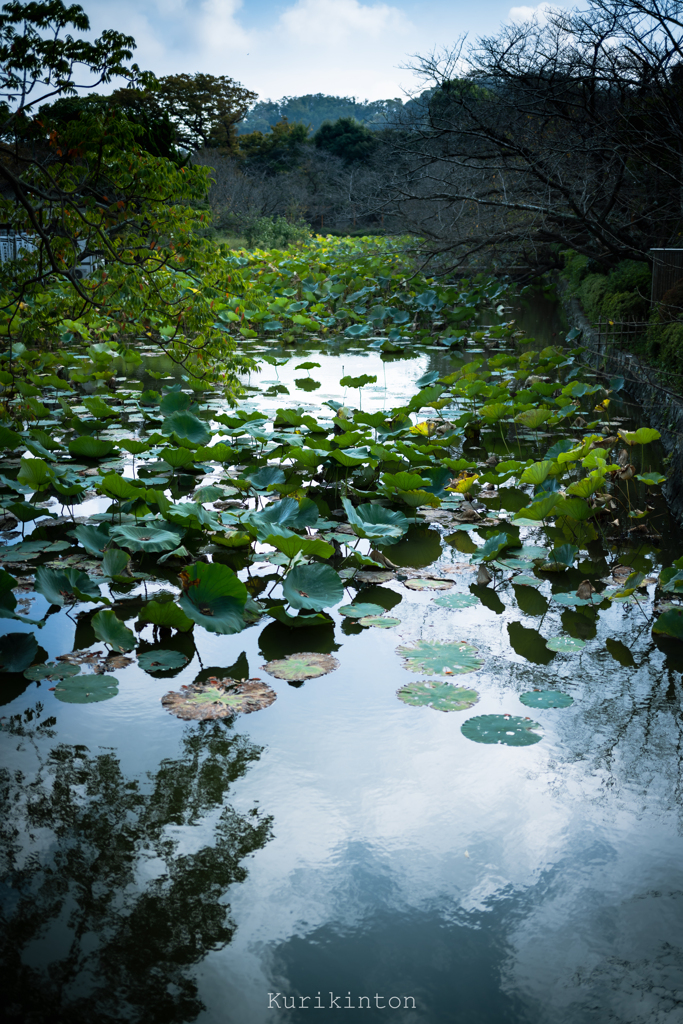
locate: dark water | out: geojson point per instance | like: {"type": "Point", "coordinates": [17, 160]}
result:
{"type": "Point", "coordinates": [344, 845]}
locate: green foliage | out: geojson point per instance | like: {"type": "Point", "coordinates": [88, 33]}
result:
{"type": "Point", "coordinates": [276, 232]}
{"type": "Point", "coordinates": [347, 139]}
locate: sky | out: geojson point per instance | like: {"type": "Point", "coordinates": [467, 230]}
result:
{"type": "Point", "coordinates": [293, 47]}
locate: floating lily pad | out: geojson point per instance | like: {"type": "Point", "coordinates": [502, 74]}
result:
{"type": "Point", "coordinates": [546, 699]}
{"type": "Point", "coordinates": [302, 666]}
{"type": "Point", "coordinates": [457, 601]}
{"type": "Point", "coordinates": [86, 689]}
{"type": "Point", "coordinates": [219, 698]}
{"type": "Point", "coordinates": [381, 621]}
{"type": "Point", "coordinates": [572, 601]}
{"type": "Point", "coordinates": [438, 695]}
{"type": "Point", "coordinates": [152, 537]}
{"type": "Point", "coordinates": [157, 661]}
{"type": "Point", "coordinates": [526, 581]}
{"type": "Point", "coordinates": [440, 658]}
{"type": "Point", "coordinates": [360, 610]}
{"type": "Point", "coordinates": [509, 730]}
{"type": "Point", "coordinates": [372, 576]}
{"type": "Point", "coordinates": [313, 586]}
{"type": "Point", "coordinates": [565, 644]}
{"type": "Point", "coordinates": [428, 584]}
{"type": "Point", "coordinates": [51, 670]}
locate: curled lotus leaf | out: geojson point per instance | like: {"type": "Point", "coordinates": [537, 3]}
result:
{"type": "Point", "coordinates": [420, 584]}
{"type": "Point", "coordinates": [381, 621]}
{"type": "Point", "coordinates": [301, 666]}
{"type": "Point", "coordinates": [17, 651]}
{"type": "Point", "coordinates": [565, 644]}
{"type": "Point", "coordinates": [508, 730]}
{"type": "Point", "coordinates": [441, 658]}
{"type": "Point", "coordinates": [437, 695]}
{"type": "Point", "coordinates": [86, 689]}
{"type": "Point", "coordinates": [546, 699]}
{"type": "Point", "coordinates": [457, 601]}
{"type": "Point", "coordinates": [219, 698]}
{"type": "Point", "coordinates": [360, 610]}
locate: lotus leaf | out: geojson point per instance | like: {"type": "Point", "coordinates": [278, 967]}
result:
{"type": "Point", "coordinates": [526, 581]}
{"type": "Point", "coordinates": [381, 621]}
{"type": "Point", "coordinates": [166, 614]}
{"type": "Point", "coordinates": [437, 695]}
{"type": "Point", "coordinates": [457, 601]}
{"type": "Point", "coordinates": [573, 601]}
{"type": "Point", "coordinates": [87, 689]}
{"type": "Point", "coordinates": [159, 660]}
{"type": "Point", "coordinates": [493, 546]}
{"type": "Point", "coordinates": [108, 628]}
{"type": "Point", "coordinates": [302, 666]}
{"type": "Point", "coordinates": [280, 613]}
{"type": "Point", "coordinates": [293, 545]}
{"type": "Point", "coordinates": [17, 651]}
{"type": "Point", "coordinates": [546, 699]}
{"type": "Point", "coordinates": [670, 623]}
{"type": "Point", "coordinates": [153, 536]}
{"type": "Point", "coordinates": [565, 644]}
{"type": "Point", "coordinates": [509, 730]}
{"type": "Point", "coordinates": [60, 586]}
{"type": "Point", "coordinates": [177, 458]}
{"type": "Point", "coordinates": [440, 658]}
{"type": "Point", "coordinates": [90, 447]}
{"type": "Point", "coordinates": [52, 670]}
{"type": "Point", "coordinates": [214, 597]}
{"type": "Point", "coordinates": [644, 435]}
{"type": "Point", "coordinates": [418, 584]}
{"type": "Point", "coordinates": [186, 425]}
{"type": "Point", "coordinates": [115, 561]}
{"type": "Point", "coordinates": [269, 476]}
{"type": "Point", "coordinates": [358, 611]}
{"type": "Point", "coordinates": [374, 522]}
{"type": "Point", "coordinates": [313, 586]}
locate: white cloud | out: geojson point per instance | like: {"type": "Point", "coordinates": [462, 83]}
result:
{"type": "Point", "coordinates": [330, 22]}
{"type": "Point", "coordinates": [540, 13]}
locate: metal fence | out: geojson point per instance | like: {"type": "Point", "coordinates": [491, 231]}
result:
{"type": "Point", "coordinates": [620, 333]}
{"type": "Point", "coordinates": [667, 270]}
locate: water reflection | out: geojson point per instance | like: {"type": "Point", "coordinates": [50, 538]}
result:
{"type": "Point", "coordinates": [114, 886]}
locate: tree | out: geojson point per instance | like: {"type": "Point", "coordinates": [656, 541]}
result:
{"type": "Point", "coordinates": [346, 138]}
{"type": "Point", "coordinates": [205, 109]}
{"type": "Point", "coordinates": [278, 150]}
{"type": "Point", "coordinates": [566, 135]}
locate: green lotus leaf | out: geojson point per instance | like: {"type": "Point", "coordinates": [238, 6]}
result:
{"type": "Point", "coordinates": [17, 651]}
{"type": "Point", "coordinates": [312, 586]}
{"type": "Point", "coordinates": [437, 695]}
{"type": "Point", "coordinates": [175, 400]}
{"type": "Point", "coordinates": [115, 561]}
{"type": "Point", "coordinates": [575, 508]}
{"type": "Point", "coordinates": [133, 446]}
{"type": "Point", "coordinates": [537, 473]}
{"type": "Point", "coordinates": [380, 621]}
{"type": "Point", "coordinates": [546, 699]}
{"type": "Point", "coordinates": [59, 587]}
{"type": "Point", "coordinates": [533, 418]}
{"type": "Point", "coordinates": [294, 545]}
{"type": "Point", "coordinates": [153, 536]}
{"type": "Point", "coordinates": [116, 486]}
{"type": "Point", "coordinates": [52, 670]}
{"type": "Point", "coordinates": [9, 438]}
{"type": "Point", "coordinates": [670, 623]}
{"type": "Point", "coordinates": [509, 730]}
{"type": "Point", "coordinates": [99, 408]}
{"type": "Point", "coordinates": [166, 613]}
{"type": "Point", "coordinates": [90, 447]}
{"type": "Point", "coordinates": [565, 644]}
{"type": "Point", "coordinates": [110, 630]}
{"type": "Point", "coordinates": [560, 558]}
{"type": "Point", "coordinates": [280, 613]}
{"type": "Point", "coordinates": [526, 581]}
{"type": "Point", "coordinates": [93, 538]}
{"type": "Point", "coordinates": [186, 425]}
{"type": "Point", "coordinates": [419, 584]}
{"type": "Point", "coordinates": [26, 513]}
{"type": "Point", "coordinates": [457, 601]}
{"type": "Point", "coordinates": [286, 513]}
{"type": "Point", "coordinates": [643, 435]}
{"type": "Point", "coordinates": [358, 382]}
{"type": "Point", "coordinates": [440, 658]}
{"type": "Point", "coordinates": [87, 689]}
{"type": "Point", "coordinates": [177, 458]}
{"type": "Point", "coordinates": [269, 476]}
{"type": "Point", "coordinates": [572, 601]}
{"type": "Point", "coordinates": [214, 597]}
{"type": "Point", "coordinates": [374, 522]}
{"type": "Point", "coordinates": [159, 660]}
{"type": "Point", "coordinates": [537, 510]}
{"type": "Point", "coordinates": [651, 479]}
{"type": "Point", "coordinates": [36, 474]}
{"type": "Point", "coordinates": [358, 611]}
{"type": "Point", "coordinates": [301, 666]}
{"type": "Point", "coordinates": [493, 547]}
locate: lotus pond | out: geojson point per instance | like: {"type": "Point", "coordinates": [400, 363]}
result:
{"type": "Point", "coordinates": [367, 688]}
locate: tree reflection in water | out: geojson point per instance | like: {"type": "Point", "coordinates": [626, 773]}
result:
{"type": "Point", "coordinates": [114, 886]}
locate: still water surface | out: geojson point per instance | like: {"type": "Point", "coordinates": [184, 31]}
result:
{"type": "Point", "coordinates": [343, 843]}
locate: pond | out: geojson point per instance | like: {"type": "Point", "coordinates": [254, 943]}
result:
{"type": "Point", "coordinates": [345, 847]}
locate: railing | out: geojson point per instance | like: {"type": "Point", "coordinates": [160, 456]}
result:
{"type": "Point", "coordinates": [620, 333]}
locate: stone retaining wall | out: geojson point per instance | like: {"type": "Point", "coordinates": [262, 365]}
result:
{"type": "Point", "coordinates": [663, 408]}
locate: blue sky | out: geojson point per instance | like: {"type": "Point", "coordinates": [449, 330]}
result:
{"type": "Point", "coordinates": [293, 47]}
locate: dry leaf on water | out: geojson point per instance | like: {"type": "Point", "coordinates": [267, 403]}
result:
{"type": "Point", "coordinates": [219, 698]}
{"type": "Point", "coordinates": [484, 577]}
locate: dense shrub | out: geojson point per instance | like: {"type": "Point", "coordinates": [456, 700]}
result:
{"type": "Point", "coordinates": [276, 232]}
